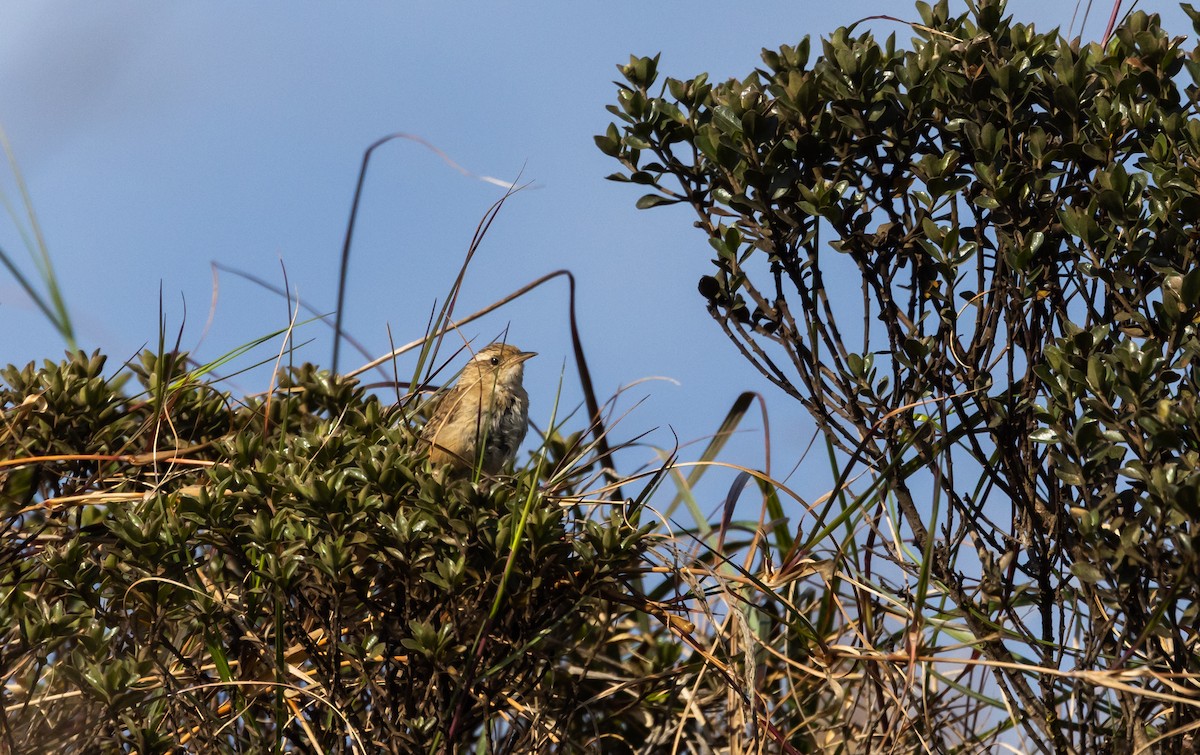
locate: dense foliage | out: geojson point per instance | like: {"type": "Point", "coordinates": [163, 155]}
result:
{"type": "Point", "coordinates": [975, 263]}
{"type": "Point", "coordinates": [185, 570]}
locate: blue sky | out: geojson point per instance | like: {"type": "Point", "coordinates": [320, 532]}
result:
{"type": "Point", "coordinates": [157, 138]}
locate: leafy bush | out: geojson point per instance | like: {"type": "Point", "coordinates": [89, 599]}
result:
{"type": "Point", "coordinates": [974, 262]}
{"type": "Point", "coordinates": [184, 569]}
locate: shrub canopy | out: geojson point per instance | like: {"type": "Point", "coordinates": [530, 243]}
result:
{"type": "Point", "coordinates": [974, 261]}
{"type": "Point", "coordinates": [184, 569]}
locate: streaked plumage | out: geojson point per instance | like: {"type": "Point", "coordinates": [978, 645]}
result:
{"type": "Point", "coordinates": [488, 406]}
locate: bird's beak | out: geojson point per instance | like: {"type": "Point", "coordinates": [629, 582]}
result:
{"type": "Point", "coordinates": [522, 356]}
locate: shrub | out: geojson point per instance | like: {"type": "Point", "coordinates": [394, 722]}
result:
{"type": "Point", "coordinates": [974, 262]}
{"type": "Point", "coordinates": [182, 569]}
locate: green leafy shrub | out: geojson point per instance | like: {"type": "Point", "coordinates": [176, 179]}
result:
{"type": "Point", "coordinates": [183, 569]}
{"type": "Point", "coordinates": [974, 261]}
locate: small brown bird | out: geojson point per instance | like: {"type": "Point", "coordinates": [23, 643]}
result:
{"type": "Point", "coordinates": [482, 420]}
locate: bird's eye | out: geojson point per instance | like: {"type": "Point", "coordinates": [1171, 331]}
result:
{"type": "Point", "coordinates": [495, 361]}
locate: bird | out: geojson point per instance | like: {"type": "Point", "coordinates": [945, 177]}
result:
{"type": "Point", "coordinates": [481, 421]}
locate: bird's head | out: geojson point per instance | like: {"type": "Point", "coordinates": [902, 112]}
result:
{"type": "Point", "coordinates": [499, 363]}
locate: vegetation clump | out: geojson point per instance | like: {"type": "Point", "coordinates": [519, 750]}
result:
{"type": "Point", "coordinates": [975, 262]}
{"type": "Point", "coordinates": [184, 569]}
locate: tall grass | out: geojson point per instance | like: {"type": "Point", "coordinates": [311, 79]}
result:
{"type": "Point", "coordinates": [44, 290]}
